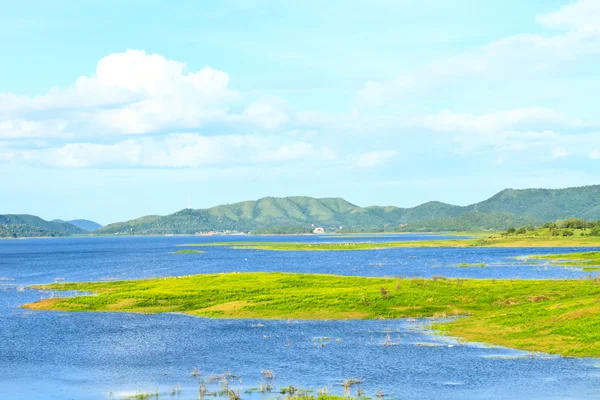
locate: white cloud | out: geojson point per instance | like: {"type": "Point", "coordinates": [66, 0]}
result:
{"type": "Point", "coordinates": [510, 141]}
{"type": "Point", "coordinates": [511, 130]}
{"type": "Point", "coordinates": [20, 128]}
{"type": "Point", "coordinates": [583, 14]}
{"type": "Point", "coordinates": [134, 92]}
{"type": "Point", "coordinates": [595, 154]}
{"type": "Point", "coordinates": [448, 121]}
{"type": "Point", "coordinates": [174, 151]}
{"type": "Point", "coordinates": [267, 115]}
{"type": "Point", "coordinates": [524, 55]}
{"type": "Point", "coordinates": [559, 152]}
{"type": "Point", "coordinates": [375, 159]}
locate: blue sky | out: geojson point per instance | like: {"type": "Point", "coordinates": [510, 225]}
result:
{"type": "Point", "coordinates": [111, 110]}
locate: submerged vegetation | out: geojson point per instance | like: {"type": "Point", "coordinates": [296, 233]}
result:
{"type": "Point", "coordinates": [496, 240]}
{"type": "Point", "coordinates": [467, 265]}
{"type": "Point", "coordinates": [539, 315]}
{"type": "Point", "coordinates": [586, 259]}
{"type": "Point", "coordinates": [188, 251]}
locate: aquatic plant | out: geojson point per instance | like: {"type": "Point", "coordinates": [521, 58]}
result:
{"type": "Point", "coordinates": [268, 374]}
{"type": "Point", "coordinates": [188, 251]}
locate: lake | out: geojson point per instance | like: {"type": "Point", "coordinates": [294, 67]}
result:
{"type": "Point", "coordinates": [54, 355]}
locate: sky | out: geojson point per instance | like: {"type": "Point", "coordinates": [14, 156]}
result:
{"type": "Point", "coordinates": [112, 110]}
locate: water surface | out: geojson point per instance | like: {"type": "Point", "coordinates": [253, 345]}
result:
{"type": "Point", "coordinates": [54, 355]}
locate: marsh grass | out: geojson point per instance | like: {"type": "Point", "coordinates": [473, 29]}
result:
{"type": "Point", "coordinates": [554, 316]}
{"type": "Point", "coordinates": [489, 241]}
{"type": "Point", "coordinates": [467, 265]}
{"type": "Point", "coordinates": [590, 261]}
{"type": "Point", "coordinates": [188, 251]}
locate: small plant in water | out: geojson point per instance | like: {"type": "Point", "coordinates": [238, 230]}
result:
{"type": "Point", "coordinates": [348, 383]}
{"type": "Point", "coordinates": [388, 341]}
{"type": "Point", "coordinates": [195, 373]}
{"type": "Point", "coordinates": [268, 374]}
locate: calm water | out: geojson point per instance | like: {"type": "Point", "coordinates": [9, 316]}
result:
{"type": "Point", "coordinates": [52, 355]}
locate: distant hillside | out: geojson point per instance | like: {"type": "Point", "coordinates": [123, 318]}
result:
{"type": "Point", "coordinates": [15, 225]}
{"type": "Point", "coordinates": [19, 231]}
{"type": "Point", "coordinates": [469, 221]}
{"type": "Point", "coordinates": [535, 205]}
{"type": "Point", "coordinates": [84, 224]}
{"type": "Point", "coordinates": [546, 204]}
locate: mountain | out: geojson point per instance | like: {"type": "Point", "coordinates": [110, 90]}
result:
{"type": "Point", "coordinates": [84, 224]}
{"type": "Point", "coordinates": [469, 221]}
{"type": "Point", "coordinates": [16, 231]}
{"type": "Point", "coordinates": [546, 204]}
{"type": "Point", "coordinates": [18, 225]}
{"type": "Point", "coordinates": [513, 207]}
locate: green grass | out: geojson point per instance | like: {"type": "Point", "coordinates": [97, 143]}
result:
{"type": "Point", "coordinates": [490, 241]}
{"type": "Point", "coordinates": [188, 251]}
{"type": "Point", "coordinates": [466, 265]}
{"type": "Point", "coordinates": [586, 259]}
{"type": "Point", "coordinates": [539, 315]}
{"type": "Point", "coordinates": [290, 246]}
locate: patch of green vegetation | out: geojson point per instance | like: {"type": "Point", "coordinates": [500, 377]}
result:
{"type": "Point", "coordinates": [467, 265]}
{"type": "Point", "coordinates": [551, 316]}
{"type": "Point", "coordinates": [586, 259]}
{"type": "Point", "coordinates": [490, 241]}
{"type": "Point", "coordinates": [188, 251]}
{"type": "Point", "coordinates": [291, 246]}
{"type": "Point", "coordinates": [141, 396]}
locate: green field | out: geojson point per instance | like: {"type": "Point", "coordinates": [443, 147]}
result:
{"type": "Point", "coordinates": [489, 241]}
{"type": "Point", "coordinates": [551, 316]}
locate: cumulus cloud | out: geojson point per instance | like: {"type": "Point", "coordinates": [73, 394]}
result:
{"type": "Point", "coordinates": [267, 114]}
{"type": "Point", "coordinates": [137, 93]}
{"type": "Point", "coordinates": [375, 159]}
{"type": "Point", "coordinates": [524, 55]}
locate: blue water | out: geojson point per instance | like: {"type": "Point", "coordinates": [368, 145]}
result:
{"type": "Point", "coordinates": [53, 355]}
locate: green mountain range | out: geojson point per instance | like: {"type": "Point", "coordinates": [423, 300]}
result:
{"type": "Point", "coordinates": [23, 225]}
{"type": "Point", "coordinates": [84, 224]}
{"type": "Point", "coordinates": [470, 221]}
{"type": "Point", "coordinates": [507, 208]}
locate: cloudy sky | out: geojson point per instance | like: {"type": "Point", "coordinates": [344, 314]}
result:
{"type": "Point", "coordinates": [112, 111]}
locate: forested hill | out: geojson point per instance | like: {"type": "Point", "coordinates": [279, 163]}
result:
{"type": "Point", "coordinates": [23, 225]}
{"type": "Point", "coordinates": [84, 224]}
{"type": "Point", "coordinates": [510, 205]}
{"type": "Point", "coordinates": [546, 204]}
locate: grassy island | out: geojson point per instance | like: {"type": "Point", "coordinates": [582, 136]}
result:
{"type": "Point", "coordinates": [488, 241]}
{"type": "Point", "coordinates": [553, 316]}
{"type": "Point", "coordinates": [589, 261]}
